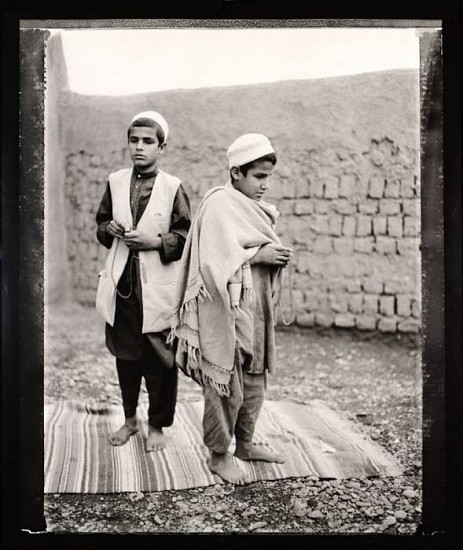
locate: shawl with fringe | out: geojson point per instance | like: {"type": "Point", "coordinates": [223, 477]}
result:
{"type": "Point", "coordinates": [215, 280]}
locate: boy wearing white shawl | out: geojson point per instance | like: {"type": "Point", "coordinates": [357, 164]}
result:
{"type": "Point", "coordinates": [223, 323]}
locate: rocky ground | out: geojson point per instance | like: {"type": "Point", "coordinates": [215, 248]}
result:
{"type": "Point", "coordinates": [375, 379]}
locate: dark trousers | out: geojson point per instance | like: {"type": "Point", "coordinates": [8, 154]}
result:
{"type": "Point", "coordinates": [161, 384]}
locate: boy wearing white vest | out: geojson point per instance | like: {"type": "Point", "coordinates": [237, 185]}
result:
{"type": "Point", "coordinates": [223, 323]}
{"type": "Point", "coordinates": [143, 219]}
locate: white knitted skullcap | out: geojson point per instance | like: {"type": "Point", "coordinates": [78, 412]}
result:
{"type": "Point", "coordinates": [247, 148]}
{"type": "Point", "coordinates": [157, 117]}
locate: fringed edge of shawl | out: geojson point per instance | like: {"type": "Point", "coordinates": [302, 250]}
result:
{"type": "Point", "coordinates": [192, 367]}
{"type": "Point", "coordinates": [192, 303]}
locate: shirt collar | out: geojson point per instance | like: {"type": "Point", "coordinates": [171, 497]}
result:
{"type": "Point", "coordinates": [145, 175]}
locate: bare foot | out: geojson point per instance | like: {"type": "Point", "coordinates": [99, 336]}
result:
{"type": "Point", "coordinates": [222, 465]}
{"type": "Point", "coordinates": [156, 439]}
{"type": "Point", "coordinates": [246, 450]}
{"type": "Point", "coordinates": [122, 435]}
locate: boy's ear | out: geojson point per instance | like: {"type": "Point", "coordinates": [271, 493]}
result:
{"type": "Point", "coordinates": [235, 172]}
{"type": "Point", "coordinates": [161, 147]}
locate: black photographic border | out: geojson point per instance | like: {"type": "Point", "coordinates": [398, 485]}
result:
{"type": "Point", "coordinates": [22, 266]}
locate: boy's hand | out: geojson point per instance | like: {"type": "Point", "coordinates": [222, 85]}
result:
{"type": "Point", "coordinates": [273, 254]}
{"type": "Point", "coordinates": [138, 240]}
{"type": "Point", "coordinates": [115, 229]}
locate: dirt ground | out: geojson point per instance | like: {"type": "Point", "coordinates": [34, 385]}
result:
{"type": "Point", "coordinates": [357, 373]}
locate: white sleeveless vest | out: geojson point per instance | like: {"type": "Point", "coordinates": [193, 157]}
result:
{"type": "Point", "coordinates": [157, 279]}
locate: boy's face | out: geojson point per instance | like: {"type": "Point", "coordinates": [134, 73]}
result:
{"type": "Point", "coordinates": [257, 180]}
{"type": "Point", "coordinates": [144, 148]}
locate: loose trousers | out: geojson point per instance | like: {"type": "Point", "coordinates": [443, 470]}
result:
{"type": "Point", "coordinates": [225, 417]}
{"type": "Point", "coordinates": [161, 384]}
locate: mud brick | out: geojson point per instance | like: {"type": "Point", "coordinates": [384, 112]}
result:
{"type": "Point", "coordinates": [373, 285]}
{"type": "Point", "coordinates": [317, 188]}
{"type": "Point", "coordinates": [324, 319]}
{"type": "Point", "coordinates": [93, 251]}
{"type": "Point", "coordinates": [311, 301]}
{"type": "Point", "coordinates": [348, 226]}
{"type": "Point", "coordinates": [386, 305]}
{"type": "Point", "coordinates": [365, 322]}
{"type": "Point", "coordinates": [289, 189]}
{"type": "Point", "coordinates": [387, 325]}
{"type": "Point", "coordinates": [275, 192]}
{"type": "Point", "coordinates": [411, 226]}
{"type": "Point", "coordinates": [92, 175]}
{"type": "Point", "coordinates": [319, 224]}
{"type": "Point", "coordinates": [364, 245]}
{"type": "Point", "coordinates": [409, 325]}
{"type": "Point", "coordinates": [392, 190]}
{"type": "Point", "coordinates": [286, 206]}
{"type": "Point", "coordinates": [363, 225]}
{"type": "Point", "coordinates": [352, 285]}
{"type": "Point", "coordinates": [404, 306]}
{"type": "Point", "coordinates": [344, 207]}
{"type": "Point", "coordinates": [284, 172]}
{"type": "Point", "coordinates": [335, 224]}
{"type": "Point", "coordinates": [411, 207]}
{"type": "Point", "coordinates": [368, 206]}
{"type": "Point", "coordinates": [407, 187]}
{"type": "Point", "coordinates": [298, 297]}
{"type": "Point", "coordinates": [79, 220]}
{"type": "Point", "coordinates": [416, 309]}
{"type": "Point", "coordinates": [408, 246]}
{"type": "Point", "coordinates": [356, 303]}
{"type": "Point", "coordinates": [332, 188]}
{"type": "Point", "coordinates": [344, 320]}
{"type": "Point", "coordinates": [323, 245]}
{"type": "Point", "coordinates": [323, 300]}
{"type": "Point", "coordinates": [399, 286]}
{"type": "Point", "coordinates": [302, 188]}
{"type": "Point", "coordinates": [347, 185]}
{"type": "Point", "coordinates": [376, 187]}
{"type": "Point", "coordinates": [379, 225]}
{"type": "Point", "coordinates": [303, 206]}
{"type": "Point", "coordinates": [337, 286]}
{"type": "Point", "coordinates": [305, 320]}
{"type": "Point", "coordinates": [343, 245]}
{"type": "Point", "coordinates": [385, 245]}
{"type": "Point", "coordinates": [389, 206]}
{"type": "Point", "coordinates": [394, 226]}
{"type": "Point", "coordinates": [322, 206]}
{"type": "Point", "coordinates": [338, 302]}
{"type": "Point", "coordinates": [376, 158]}
{"type": "Point", "coordinates": [370, 303]}
{"type": "Point", "coordinates": [303, 260]}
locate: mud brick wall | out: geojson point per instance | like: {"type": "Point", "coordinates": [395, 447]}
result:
{"type": "Point", "coordinates": [346, 184]}
{"type": "Point", "coordinates": [352, 218]}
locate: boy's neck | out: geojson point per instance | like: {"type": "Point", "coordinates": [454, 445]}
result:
{"type": "Point", "coordinates": [148, 171]}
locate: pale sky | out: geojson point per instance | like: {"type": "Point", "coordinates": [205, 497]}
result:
{"type": "Point", "coordinates": [128, 61]}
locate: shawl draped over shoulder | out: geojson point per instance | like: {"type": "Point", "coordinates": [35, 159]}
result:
{"type": "Point", "coordinates": [215, 280]}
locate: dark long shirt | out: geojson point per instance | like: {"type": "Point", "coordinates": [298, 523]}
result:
{"type": "Point", "coordinates": [125, 339]}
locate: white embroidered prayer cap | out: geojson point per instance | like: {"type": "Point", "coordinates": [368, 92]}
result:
{"type": "Point", "coordinates": [247, 148]}
{"type": "Point", "coordinates": [157, 117]}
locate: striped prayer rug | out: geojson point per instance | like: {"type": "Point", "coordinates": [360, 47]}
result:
{"type": "Point", "coordinates": [314, 440]}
